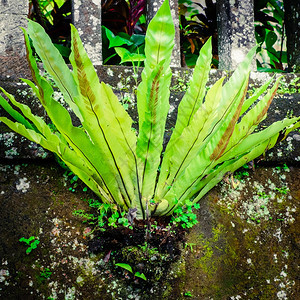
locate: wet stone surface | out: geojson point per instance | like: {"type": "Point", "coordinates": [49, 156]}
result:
{"type": "Point", "coordinates": [245, 246]}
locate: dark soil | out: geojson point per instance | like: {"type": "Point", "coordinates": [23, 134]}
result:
{"type": "Point", "coordinates": [144, 247]}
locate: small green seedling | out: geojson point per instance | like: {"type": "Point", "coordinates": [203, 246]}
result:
{"type": "Point", "coordinates": [185, 216]}
{"type": "Point", "coordinates": [188, 294]}
{"type": "Point", "coordinates": [140, 275]}
{"type": "Point", "coordinates": [129, 268]}
{"type": "Point", "coordinates": [189, 245]}
{"type": "Point", "coordinates": [106, 215]}
{"type": "Point", "coordinates": [45, 274]}
{"type": "Point", "coordinates": [32, 242]}
{"type": "Point", "coordinates": [125, 266]}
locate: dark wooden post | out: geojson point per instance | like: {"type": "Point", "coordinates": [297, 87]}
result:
{"type": "Point", "coordinates": [235, 31]}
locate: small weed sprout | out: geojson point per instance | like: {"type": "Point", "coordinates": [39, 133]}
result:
{"type": "Point", "coordinates": [32, 243]}
{"type": "Point", "coordinates": [185, 216]}
{"type": "Point", "coordinates": [105, 216]}
{"type": "Point", "coordinates": [45, 274]}
{"type": "Point", "coordinates": [188, 294]}
{"type": "Point", "coordinates": [129, 269]}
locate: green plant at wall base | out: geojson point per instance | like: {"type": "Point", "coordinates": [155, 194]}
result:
{"type": "Point", "coordinates": [129, 268]}
{"type": "Point", "coordinates": [32, 243]}
{"type": "Point", "coordinates": [106, 215]}
{"type": "Point", "coordinates": [214, 133]}
{"type": "Point", "coordinates": [188, 294]}
{"type": "Point", "coordinates": [45, 274]}
{"type": "Point", "coordinates": [184, 215]}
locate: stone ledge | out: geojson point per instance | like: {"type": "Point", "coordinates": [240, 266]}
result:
{"type": "Point", "coordinates": [122, 80]}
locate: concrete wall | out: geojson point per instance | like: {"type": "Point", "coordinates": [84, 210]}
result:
{"type": "Point", "coordinates": [87, 18]}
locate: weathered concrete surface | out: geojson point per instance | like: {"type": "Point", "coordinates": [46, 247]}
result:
{"type": "Point", "coordinates": [87, 20]}
{"type": "Point", "coordinates": [235, 32]}
{"type": "Point", "coordinates": [246, 245]}
{"type": "Point", "coordinates": [152, 8]}
{"type": "Point", "coordinates": [13, 14]}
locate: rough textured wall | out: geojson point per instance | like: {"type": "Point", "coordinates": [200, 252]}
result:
{"type": "Point", "coordinates": [235, 30]}
{"type": "Point", "coordinates": [13, 14]}
{"type": "Point", "coordinates": [87, 20]}
{"type": "Point", "coordinates": [292, 25]}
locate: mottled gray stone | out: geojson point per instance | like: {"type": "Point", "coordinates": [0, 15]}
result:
{"type": "Point", "coordinates": [152, 8]}
{"type": "Point", "coordinates": [13, 15]}
{"type": "Point", "coordinates": [87, 20]}
{"type": "Point", "coordinates": [235, 31]}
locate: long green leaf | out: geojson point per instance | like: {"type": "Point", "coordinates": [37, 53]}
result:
{"type": "Point", "coordinates": [255, 96]}
{"type": "Point", "coordinates": [56, 145]}
{"type": "Point", "coordinates": [254, 146]}
{"type": "Point", "coordinates": [159, 41]}
{"type": "Point", "coordinates": [228, 112]}
{"type": "Point", "coordinates": [251, 119]}
{"type": "Point", "coordinates": [16, 115]}
{"type": "Point", "coordinates": [194, 96]}
{"type": "Point", "coordinates": [106, 121]}
{"type": "Point", "coordinates": [76, 137]}
{"type": "Point", "coordinates": [192, 140]}
{"type": "Point", "coordinates": [152, 97]}
{"type": "Point", "coordinates": [199, 167]}
{"type": "Point", "coordinates": [54, 64]}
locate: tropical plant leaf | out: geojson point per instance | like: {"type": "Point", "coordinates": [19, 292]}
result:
{"type": "Point", "coordinates": [271, 39]}
{"type": "Point", "coordinates": [248, 102]}
{"type": "Point", "coordinates": [193, 139]}
{"type": "Point", "coordinates": [127, 56]}
{"type": "Point", "coordinates": [125, 266]}
{"type": "Point", "coordinates": [250, 120]}
{"type": "Point", "coordinates": [152, 97]}
{"type": "Point", "coordinates": [76, 138]}
{"type": "Point", "coordinates": [193, 98]}
{"type": "Point", "coordinates": [214, 139]}
{"type": "Point", "coordinates": [54, 64]}
{"type": "Point", "coordinates": [251, 148]}
{"type": "Point", "coordinates": [16, 115]}
{"type": "Point", "coordinates": [101, 109]}
{"type": "Point", "coordinates": [116, 40]}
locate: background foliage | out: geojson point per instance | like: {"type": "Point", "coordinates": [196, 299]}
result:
{"type": "Point", "coordinates": [124, 27]}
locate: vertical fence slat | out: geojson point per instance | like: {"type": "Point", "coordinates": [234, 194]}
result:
{"type": "Point", "coordinates": [87, 20]}
{"type": "Point", "coordinates": [13, 14]}
{"type": "Point", "coordinates": [235, 32]}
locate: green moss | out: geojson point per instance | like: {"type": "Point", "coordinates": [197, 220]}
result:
{"type": "Point", "coordinates": [238, 256]}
